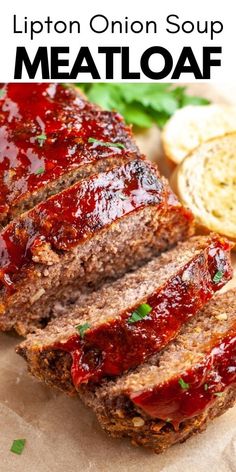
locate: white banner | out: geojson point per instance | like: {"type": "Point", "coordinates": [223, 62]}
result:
{"type": "Point", "coordinates": [117, 41]}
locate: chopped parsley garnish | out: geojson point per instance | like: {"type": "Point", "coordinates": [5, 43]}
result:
{"type": "Point", "coordinates": [18, 446]}
{"type": "Point", "coordinates": [183, 384]}
{"type": "Point", "coordinates": [106, 144]}
{"type": "Point", "coordinates": [82, 329]}
{"type": "Point", "coordinates": [39, 171]}
{"type": "Point", "coordinates": [2, 92]}
{"type": "Point", "coordinates": [218, 276]}
{"type": "Point", "coordinates": [41, 138]}
{"type": "Point", "coordinates": [205, 387]}
{"type": "Point", "coordinates": [219, 394]}
{"type": "Point", "coordinates": [140, 313]}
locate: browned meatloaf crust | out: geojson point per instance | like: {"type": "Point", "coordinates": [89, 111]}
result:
{"type": "Point", "coordinates": [177, 392]}
{"type": "Point", "coordinates": [99, 228]}
{"type": "Point", "coordinates": [50, 137]}
{"type": "Point", "coordinates": [111, 336]}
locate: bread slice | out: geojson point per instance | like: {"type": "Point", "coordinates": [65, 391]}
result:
{"type": "Point", "coordinates": [97, 229]}
{"type": "Point", "coordinates": [192, 125]}
{"type": "Point", "coordinates": [178, 391]}
{"type": "Point", "coordinates": [206, 181]}
{"type": "Point", "coordinates": [51, 137]}
{"type": "Point", "coordinates": [119, 326]}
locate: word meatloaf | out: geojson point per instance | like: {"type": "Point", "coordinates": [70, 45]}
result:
{"type": "Point", "coordinates": [178, 391]}
{"type": "Point", "coordinates": [119, 326]}
{"type": "Point", "coordinates": [51, 136]}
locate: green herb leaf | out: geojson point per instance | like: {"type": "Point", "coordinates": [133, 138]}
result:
{"type": "Point", "coordinates": [183, 384]}
{"type": "Point", "coordinates": [191, 100]}
{"type": "Point", "coordinates": [205, 387]}
{"type": "Point", "coordinates": [18, 446]}
{"type": "Point", "coordinates": [39, 171]}
{"type": "Point", "coordinates": [219, 394]}
{"type": "Point", "coordinates": [107, 97]}
{"type": "Point", "coordinates": [137, 115]}
{"type": "Point", "coordinates": [218, 276]}
{"type": "Point", "coordinates": [2, 93]}
{"type": "Point", "coordinates": [141, 104]}
{"type": "Point", "coordinates": [159, 118]}
{"type": "Point", "coordinates": [41, 138]}
{"type": "Point", "coordinates": [140, 313]}
{"type": "Point", "coordinates": [104, 143]}
{"type": "Point", "coordinates": [82, 329]}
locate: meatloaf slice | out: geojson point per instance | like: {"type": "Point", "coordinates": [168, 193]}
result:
{"type": "Point", "coordinates": [118, 327]}
{"type": "Point", "coordinates": [50, 137]}
{"type": "Point", "coordinates": [178, 391]}
{"type": "Point", "coordinates": [99, 228]}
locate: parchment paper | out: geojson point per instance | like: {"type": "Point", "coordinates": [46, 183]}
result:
{"type": "Point", "coordinates": [63, 436]}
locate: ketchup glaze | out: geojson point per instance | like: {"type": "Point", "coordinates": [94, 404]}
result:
{"type": "Point", "coordinates": [203, 383]}
{"type": "Point", "coordinates": [69, 218]}
{"type": "Point", "coordinates": [113, 347]}
{"type": "Point", "coordinates": [44, 133]}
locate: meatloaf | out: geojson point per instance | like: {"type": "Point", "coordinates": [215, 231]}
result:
{"type": "Point", "coordinates": [99, 228]}
{"type": "Point", "coordinates": [118, 327]}
{"type": "Point", "coordinates": [50, 137]}
{"type": "Point", "coordinates": [178, 391]}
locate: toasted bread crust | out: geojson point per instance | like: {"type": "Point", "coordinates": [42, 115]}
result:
{"type": "Point", "coordinates": [190, 126]}
{"type": "Point", "coordinates": [204, 182]}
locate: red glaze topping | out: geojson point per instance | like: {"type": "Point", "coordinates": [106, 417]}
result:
{"type": "Point", "coordinates": [184, 397]}
{"type": "Point", "coordinates": [44, 132]}
{"type": "Point", "coordinates": [71, 217]}
{"type": "Point", "coordinates": [118, 345]}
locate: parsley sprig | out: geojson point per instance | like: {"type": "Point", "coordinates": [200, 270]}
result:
{"type": "Point", "coordinates": [40, 170]}
{"type": "Point", "coordinates": [141, 312]}
{"type": "Point", "coordinates": [141, 104]}
{"type": "Point", "coordinates": [18, 446]}
{"type": "Point", "coordinates": [41, 138]}
{"type": "Point", "coordinates": [82, 329]}
{"type": "Point", "coordinates": [105, 143]}
{"type": "Point", "coordinates": [218, 276]}
{"type": "Point", "coordinates": [184, 385]}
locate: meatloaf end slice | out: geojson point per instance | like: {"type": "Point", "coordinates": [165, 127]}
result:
{"type": "Point", "coordinates": [178, 391]}
{"type": "Point", "coordinates": [124, 323]}
{"type": "Point", "coordinates": [51, 137]}
{"type": "Point", "coordinates": [97, 229]}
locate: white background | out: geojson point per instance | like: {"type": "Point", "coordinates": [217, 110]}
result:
{"type": "Point", "coordinates": [117, 10]}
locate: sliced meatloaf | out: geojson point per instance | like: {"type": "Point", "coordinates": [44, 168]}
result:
{"type": "Point", "coordinates": [99, 228]}
{"type": "Point", "coordinates": [50, 137]}
{"type": "Point", "coordinates": [118, 327]}
{"type": "Point", "coordinates": [178, 391]}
